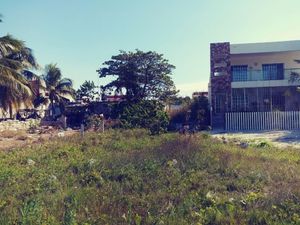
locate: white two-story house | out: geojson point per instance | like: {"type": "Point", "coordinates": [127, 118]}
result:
{"type": "Point", "coordinates": [254, 83]}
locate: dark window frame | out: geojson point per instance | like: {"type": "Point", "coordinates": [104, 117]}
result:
{"type": "Point", "coordinates": [273, 71]}
{"type": "Point", "coordinates": [239, 73]}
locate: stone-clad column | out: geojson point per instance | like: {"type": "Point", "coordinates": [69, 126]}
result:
{"type": "Point", "coordinates": [220, 80]}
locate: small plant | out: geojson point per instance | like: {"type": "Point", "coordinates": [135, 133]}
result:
{"type": "Point", "coordinates": [95, 122]}
{"type": "Point", "coordinates": [260, 144]}
{"type": "Point", "coordinates": [32, 127]}
{"type": "Point", "coordinates": [70, 210]}
{"type": "Point", "coordinates": [31, 213]}
{"type": "Point", "coordinates": [263, 144]}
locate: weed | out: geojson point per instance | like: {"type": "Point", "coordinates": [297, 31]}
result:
{"type": "Point", "coordinates": [131, 177]}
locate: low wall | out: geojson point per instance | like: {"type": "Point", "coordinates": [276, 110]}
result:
{"type": "Point", "coordinates": [18, 125]}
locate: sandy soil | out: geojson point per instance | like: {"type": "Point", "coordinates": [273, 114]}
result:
{"type": "Point", "coordinates": [278, 138]}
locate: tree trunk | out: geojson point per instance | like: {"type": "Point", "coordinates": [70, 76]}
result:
{"type": "Point", "coordinates": [10, 110]}
{"type": "Point", "coordinates": [52, 109]}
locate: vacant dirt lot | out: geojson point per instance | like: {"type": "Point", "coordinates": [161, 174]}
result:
{"type": "Point", "coordinates": [278, 138]}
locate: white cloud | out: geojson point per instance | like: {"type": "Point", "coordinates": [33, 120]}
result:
{"type": "Point", "coordinates": [188, 88]}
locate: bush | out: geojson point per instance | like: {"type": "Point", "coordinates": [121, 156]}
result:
{"type": "Point", "coordinates": [195, 113]}
{"type": "Point", "coordinates": [94, 122]}
{"type": "Point", "coordinates": [147, 114]}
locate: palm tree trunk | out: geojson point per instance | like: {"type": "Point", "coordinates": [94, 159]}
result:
{"type": "Point", "coordinates": [52, 109]}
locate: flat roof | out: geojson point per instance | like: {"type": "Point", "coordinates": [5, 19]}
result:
{"type": "Point", "coordinates": [265, 47]}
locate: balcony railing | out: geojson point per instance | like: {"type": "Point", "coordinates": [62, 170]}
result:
{"type": "Point", "coordinates": [261, 75]}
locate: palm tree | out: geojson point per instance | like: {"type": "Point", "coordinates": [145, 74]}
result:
{"type": "Point", "coordinates": [15, 89]}
{"type": "Point", "coordinates": [60, 89]}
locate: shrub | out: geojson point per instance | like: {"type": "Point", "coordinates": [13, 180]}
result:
{"type": "Point", "coordinates": [147, 114]}
{"type": "Point", "coordinates": [32, 127]}
{"type": "Point", "coordinates": [94, 122]}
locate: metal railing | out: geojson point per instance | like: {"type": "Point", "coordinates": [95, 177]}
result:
{"type": "Point", "coordinates": [243, 121]}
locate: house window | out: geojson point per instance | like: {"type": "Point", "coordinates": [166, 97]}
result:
{"type": "Point", "coordinates": [278, 100]}
{"type": "Point", "coordinates": [264, 99]}
{"type": "Point", "coordinates": [273, 71]}
{"type": "Point", "coordinates": [239, 72]}
{"type": "Point", "coordinates": [238, 100]}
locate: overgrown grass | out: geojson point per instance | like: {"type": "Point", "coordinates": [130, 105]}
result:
{"type": "Point", "coordinates": [129, 177]}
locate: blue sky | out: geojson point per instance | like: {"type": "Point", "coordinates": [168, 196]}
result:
{"type": "Point", "coordinates": [79, 35]}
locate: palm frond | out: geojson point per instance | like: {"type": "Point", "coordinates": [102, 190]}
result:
{"type": "Point", "coordinates": [52, 75]}
{"type": "Point", "coordinates": [9, 45]}
{"type": "Point", "coordinates": [65, 82]}
{"type": "Point", "coordinates": [10, 64]}
{"type": "Point", "coordinates": [14, 87]}
{"type": "Point", "coordinates": [40, 100]}
{"type": "Point", "coordinates": [24, 56]}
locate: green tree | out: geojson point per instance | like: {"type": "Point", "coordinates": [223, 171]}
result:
{"type": "Point", "coordinates": [87, 89]}
{"type": "Point", "coordinates": [143, 75]}
{"type": "Point", "coordinates": [60, 89]}
{"type": "Point", "coordinates": [15, 89]}
{"type": "Point", "coordinates": [195, 111]}
{"type": "Point", "coordinates": [200, 112]}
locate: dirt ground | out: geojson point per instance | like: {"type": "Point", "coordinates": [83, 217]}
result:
{"type": "Point", "coordinates": [10, 140]}
{"type": "Point", "coordinates": [280, 138]}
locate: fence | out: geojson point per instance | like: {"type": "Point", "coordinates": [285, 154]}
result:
{"type": "Point", "coordinates": [243, 121]}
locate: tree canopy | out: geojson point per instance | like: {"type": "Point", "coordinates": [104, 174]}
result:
{"type": "Point", "coordinates": [87, 89]}
{"type": "Point", "coordinates": [59, 88]}
{"type": "Point", "coordinates": [15, 58]}
{"type": "Point", "coordinates": [143, 75]}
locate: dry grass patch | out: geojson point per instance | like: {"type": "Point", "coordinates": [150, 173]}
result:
{"type": "Point", "coordinates": [12, 134]}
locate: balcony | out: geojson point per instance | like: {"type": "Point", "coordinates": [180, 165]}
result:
{"type": "Point", "coordinates": [260, 75]}
{"type": "Point", "coordinates": [262, 78]}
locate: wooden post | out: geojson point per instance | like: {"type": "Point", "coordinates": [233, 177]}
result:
{"type": "Point", "coordinates": [82, 130]}
{"type": "Point", "coordinates": [102, 126]}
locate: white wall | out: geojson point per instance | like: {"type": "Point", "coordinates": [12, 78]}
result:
{"type": "Point", "coordinates": [255, 60]}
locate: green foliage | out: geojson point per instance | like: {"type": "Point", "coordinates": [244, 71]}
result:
{"type": "Point", "coordinates": [147, 114]}
{"type": "Point", "coordinates": [195, 112]}
{"type": "Point", "coordinates": [200, 111]}
{"type": "Point", "coordinates": [33, 126]}
{"type": "Point", "coordinates": [143, 75]}
{"type": "Point", "coordinates": [131, 177]}
{"type": "Point", "coordinates": [94, 122]}
{"type": "Point", "coordinates": [31, 213]}
{"type": "Point", "coordinates": [57, 86]}
{"type": "Point", "coordinates": [15, 57]}
{"type": "Point", "coordinates": [87, 89]}
{"type": "Point", "coordinates": [261, 144]}
{"type": "Point", "coordinates": [70, 210]}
